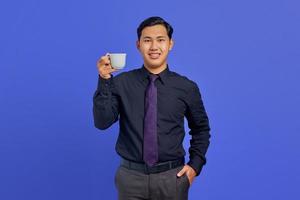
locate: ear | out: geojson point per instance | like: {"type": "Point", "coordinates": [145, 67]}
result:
{"type": "Point", "coordinates": [138, 44]}
{"type": "Point", "coordinates": [171, 44]}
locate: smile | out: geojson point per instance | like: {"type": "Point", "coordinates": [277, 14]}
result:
{"type": "Point", "coordinates": [154, 55]}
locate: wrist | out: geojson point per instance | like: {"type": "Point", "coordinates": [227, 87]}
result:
{"type": "Point", "coordinates": [105, 76]}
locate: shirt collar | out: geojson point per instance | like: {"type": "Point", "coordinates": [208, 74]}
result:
{"type": "Point", "coordinates": [162, 75]}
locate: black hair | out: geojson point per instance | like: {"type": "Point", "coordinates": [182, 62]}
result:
{"type": "Point", "coordinates": [151, 21]}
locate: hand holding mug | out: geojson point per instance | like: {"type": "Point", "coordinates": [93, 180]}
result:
{"type": "Point", "coordinates": [110, 63]}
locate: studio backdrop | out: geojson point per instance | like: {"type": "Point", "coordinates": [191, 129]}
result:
{"type": "Point", "coordinates": [244, 56]}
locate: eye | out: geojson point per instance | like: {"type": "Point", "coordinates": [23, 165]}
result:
{"type": "Point", "coordinates": [161, 40]}
{"type": "Point", "coordinates": [146, 40]}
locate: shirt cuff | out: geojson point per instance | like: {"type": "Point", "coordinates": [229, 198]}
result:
{"type": "Point", "coordinates": [104, 84]}
{"type": "Point", "coordinates": [196, 163]}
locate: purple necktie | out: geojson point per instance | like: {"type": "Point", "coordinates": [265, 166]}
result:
{"type": "Point", "coordinates": [150, 123]}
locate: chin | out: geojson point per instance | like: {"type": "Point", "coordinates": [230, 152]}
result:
{"type": "Point", "coordinates": [155, 64]}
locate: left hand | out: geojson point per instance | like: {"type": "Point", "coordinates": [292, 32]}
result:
{"type": "Point", "coordinates": [189, 171]}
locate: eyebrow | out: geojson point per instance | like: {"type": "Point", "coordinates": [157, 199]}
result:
{"type": "Point", "coordinates": [158, 37]}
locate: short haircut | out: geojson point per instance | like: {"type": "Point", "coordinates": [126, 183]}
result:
{"type": "Point", "coordinates": [152, 21]}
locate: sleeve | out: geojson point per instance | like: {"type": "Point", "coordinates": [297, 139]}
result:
{"type": "Point", "coordinates": [105, 103]}
{"type": "Point", "coordinates": [199, 129]}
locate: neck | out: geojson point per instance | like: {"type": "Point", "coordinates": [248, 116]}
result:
{"type": "Point", "coordinates": [156, 70]}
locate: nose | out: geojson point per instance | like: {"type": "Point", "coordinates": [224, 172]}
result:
{"type": "Point", "coordinates": [153, 45]}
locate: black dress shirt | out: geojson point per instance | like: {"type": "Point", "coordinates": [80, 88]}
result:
{"type": "Point", "coordinates": [121, 97]}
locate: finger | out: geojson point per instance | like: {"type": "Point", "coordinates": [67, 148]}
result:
{"type": "Point", "coordinates": [107, 64]}
{"type": "Point", "coordinates": [107, 55]}
{"type": "Point", "coordinates": [108, 70]}
{"type": "Point", "coordinates": [183, 171]}
{"type": "Point", "coordinates": [108, 67]}
{"type": "Point", "coordinates": [104, 65]}
{"type": "Point", "coordinates": [104, 59]}
{"type": "Point", "coordinates": [113, 70]}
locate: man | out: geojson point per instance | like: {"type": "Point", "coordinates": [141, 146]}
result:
{"type": "Point", "coordinates": [150, 104]}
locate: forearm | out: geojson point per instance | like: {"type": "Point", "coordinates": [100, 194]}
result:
{"type": "Point", "coordinates": [199, 130]}
{"type": "Point", "coordinates": [105, 104]}
{"type": "Point", "coordinates": [198, 148]}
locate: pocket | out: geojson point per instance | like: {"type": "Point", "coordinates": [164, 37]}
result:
{"type": "Point", "coordinates": [187, 179]}
{"type": "Point", "coordinates": [116, 176]}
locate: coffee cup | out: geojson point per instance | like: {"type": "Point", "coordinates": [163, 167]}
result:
{"type": "Point", "coordinates": [117, 60]}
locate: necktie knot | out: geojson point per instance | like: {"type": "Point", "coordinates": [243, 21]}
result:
{"type": "Point", "coordinates": [153, 77]}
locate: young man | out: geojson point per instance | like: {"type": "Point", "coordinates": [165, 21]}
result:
{"type": "Point", "coordinates": [150, 104]}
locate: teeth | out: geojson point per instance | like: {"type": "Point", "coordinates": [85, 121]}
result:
{"type": "Point", "coordinates": [154, 55]}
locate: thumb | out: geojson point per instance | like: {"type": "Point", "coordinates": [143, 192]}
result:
{"type": "Point", "coordinates": [107, 54]}
{"type": "Point", "coordinates": [179, 174]}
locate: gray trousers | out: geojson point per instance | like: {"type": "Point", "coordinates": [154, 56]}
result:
{"type": "Point", "coordinates": [134, 185]}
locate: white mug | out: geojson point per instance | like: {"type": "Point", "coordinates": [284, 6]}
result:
{"type": "Point", "coordinates": [117, 60]}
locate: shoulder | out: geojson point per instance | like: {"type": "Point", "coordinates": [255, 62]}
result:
{"type": "Point", "coordinates": [183, 80]}
{"type": "Point", "coordinates": [125, 75]}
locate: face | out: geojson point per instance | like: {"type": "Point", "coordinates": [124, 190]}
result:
{"type": "Point", "coordinates": [154, 45]}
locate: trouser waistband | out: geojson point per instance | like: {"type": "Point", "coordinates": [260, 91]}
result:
{"type": "Point", "coordinates": [157, 168]}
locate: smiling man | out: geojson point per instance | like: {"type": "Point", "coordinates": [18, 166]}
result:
{"type": "Point", "coordinates": [150, 104]}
